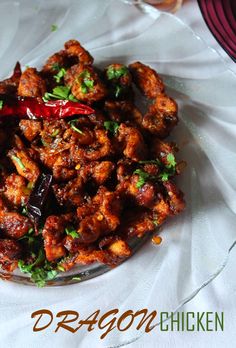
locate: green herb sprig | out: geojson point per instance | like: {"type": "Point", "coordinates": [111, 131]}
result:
{"type": "Point", "coordinates": [59, 92]}
{"type": "Point", "coordinates": [72, 123]}
{"type": "Point", "coordinates": [111, 126]}
{"type": "Point", "coordinates": [87, 83]}
{"type": "Point", "coordinates": [61, 73]}
{"type": "Point", "coordinates": [71, 231]}
{"type": "Point", "coordinates": [113, 73]}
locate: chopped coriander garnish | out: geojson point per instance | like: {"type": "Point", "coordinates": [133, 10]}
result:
{"type": "Point", "coordinates": [171, 160]}
{"type": "Point", "coordinates": [76, 129]}
{"type": "Point", "coordinates": [59, 92]}
{"type": "Point", "coordinates": [61, 73]}
{"type": "Point", "coordinates": [76, 278]}
{"type": "Point", "coordinates": [24, 210]}
{"type": "Point", "coordinates": [55, 133]}
{"type": "Point", "coordinates": [118, 91]}
{"type": "Point", "coordinates": [29, 236]}
{"type": "Point", "coordinates": [1, 104]}
{"type": "Point", "coordinates": [113, 73]}
{"type": "Point", "coordinates": [18, 161]}
{"type": "Point", "coordinates": [164, 176]}
{"type": "Point", "coordinates": [87, 81]}
{"type": "Point", "coordinates": [70, 231]}
{"type": "Point", "coordinates": [56, 67]}
{"type": "Point", "coordinates": [111, 126]}
{"type": "Point", "coordinates": [54, 27]}
{"type": "Point", "coordinates": [40, 270]}
{"type": "Point", "coordinates": [155, 222]}
{"type": "Point", "coordinates": [60, 268]}
{"type": "Point", "coordinates": [143, 177]}
{"type": "Point", "coordinates": [72, 98]}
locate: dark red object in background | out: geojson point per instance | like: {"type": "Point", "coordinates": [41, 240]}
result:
{"type": "Point", "coordinates": [220, 17]}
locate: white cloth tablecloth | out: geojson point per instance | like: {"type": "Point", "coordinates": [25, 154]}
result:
{"type": "Point", "coordinates": [220, 294]}
{"type": "Point", "coordinates": [15, 321]}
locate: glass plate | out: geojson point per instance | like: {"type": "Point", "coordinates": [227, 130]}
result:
{"type": "Point", "coordinates": [196, 244]}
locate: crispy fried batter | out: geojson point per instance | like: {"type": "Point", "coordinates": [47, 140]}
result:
{"type": "Point", "coordinates": [16, 191]}
{"type": "Point", "coordinates": [30, 128]}
{"type": "Point", "coordinates": [74, 49]}
{"type": "Point", "coordinates": [14, 224]}
{"type": "Point", "coordinates": [134, 145]}
{"type": "Point", "coordinates": [10, 253]}
{"type": "Point", "coordinates": [147, 80]}
{"type": "Point", "coordinates": [161, 116]}
{"type": "Point", "coordinates": [25, 166]}
{"type": "Point", "coordinates": [31, 84]}
{"type": "Point", "coordinates": [85, 83]}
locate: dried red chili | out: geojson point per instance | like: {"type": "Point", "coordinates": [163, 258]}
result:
{"type": "Point", "coordinates": [32, 108]}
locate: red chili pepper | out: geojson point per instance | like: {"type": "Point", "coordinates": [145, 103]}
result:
{"type": "Point", "coordinates": [32, 108]}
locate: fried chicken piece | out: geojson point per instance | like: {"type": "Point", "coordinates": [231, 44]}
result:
{"type": "Point", "coordinates": [175, 197]}
{"type": "Point", "coordinates": [53, 234]}
{"type": "Point", "coordinates": [99, 171]}
{"type": "Point", "coordinates": [16, 191]}
{"type": "Point", "coordinates": [30, 128]}
{"type": "Point", "coordinates": [25, 166]}
{"type": "Point", "coordinates": [161, 116]}
{"type": "Point", "coordinates": [55, 62]}
{"type": "Point", "coordinates": [74, 49]}
{"type": "Point", "coordinates": [100, 216]}
{"type": "Point", "coordinates": [71, 193]}
{"type": "Point", "coordinates": [10, 85]}
{"type": "Point", "coordinates": [10, 253]}
{"type": "Point", "coordinates": [14, 224]}
{"type": "Point", "coordinates": [146, 79]}
{"type": "Point", "coordinates": [138, 224]}
{"type": "Point", "coordinates": [99, 149]}
{"type": "Point", "coordinates": [85, 83]}
{"type": "Point", "coordinates": [120, 248]}
{"type": "Point", "coordinates": [111, 257]}
{"type": "Point", "coordinates": [31, 84]}
{"type": "Point", "coordinates": [144, 196]}
{"type": "Point", "coordinates": [133, 142]}
{"type": "Point", "coordinates": [123, 111]}
{"type": "Point", "coordinates": [119, 81]}
{"type": "Point", "coordinates": [161, 149]}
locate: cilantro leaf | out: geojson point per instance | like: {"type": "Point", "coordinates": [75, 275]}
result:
{"type": "Point", "coordinates": [87, 83]}
{"type": "Point", "coordinates": [54, 27]}
{"type": "Point", "coordinates": [76, 129]}
{"type": "Point", "coordinates": [70, 231]}
{"type": "Point", "coordinates": [18, 161]}
{"type": "Point", "coordinates": [40, 270]}
{"type": "Point", "coordinates": [1, 104]}
{"type": "Point", "coordinates": [111, 126]}
{"type": "Point", "coordinates": [76, 278]}
{"type": "Point", "coordinates": [143, 177]}
{"type": "Point", "coordinates": [164, 176]}
{"type": "Point", "coordinates": [116, 73]}
{"type": "Point", "coordinates": [59, 92]}
{"type": "Point", "coordinates": [171, 160]}
{"type": "Point", "coordinates": [56, 67]}
{"type": "Point", "coordinates": [55, 133]}
{"type": "Point", "coordinates": [118, 90]}
{"type": "Point", "coordinates": [61, 73]}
